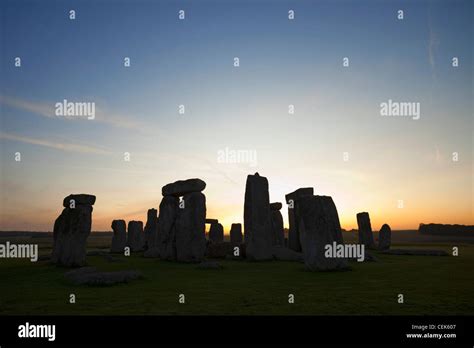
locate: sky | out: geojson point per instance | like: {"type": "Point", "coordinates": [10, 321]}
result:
{"type": "Point", "coordinates": [399, 169]}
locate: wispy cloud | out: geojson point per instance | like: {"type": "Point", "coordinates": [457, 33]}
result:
{"type": "Point", "coordinates": [55, 145]}
{"type": "Point", "coordinates": [103, 113]}
{"type": "Point", "coordinates": [45, 110]}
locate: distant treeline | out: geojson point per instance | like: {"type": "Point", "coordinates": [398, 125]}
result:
{"type": "Point", "coordinates": [446, 230]}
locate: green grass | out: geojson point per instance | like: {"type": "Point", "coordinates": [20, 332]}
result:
{"type": "Point", "coordinates": [430, 285]}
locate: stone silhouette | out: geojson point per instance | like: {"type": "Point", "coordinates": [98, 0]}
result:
{"type": "Point", "coordinates": [166, 227]}
{"type": "Point", "coordinates": [181, 225]}
{"type": "Point", "coordinates": [212, 221]}
{"type": "Point", "coordinates": [275, 206]}
{"type": "Point", "coordinates": [216, 233]}
{"type": "Point", "coordinates": [182, 187]}
{"type": "Point", "coordinates": [119, 238]}
{"type": "Point", "coordinates": [191, 229]}
{"type": "Point", "coordinates": [365, 230]}
{"type": "Point", "coordinates": [151, 229]}
{"type": "Point", "coordinates": [79, 199]}
{"type": "Point", "coordinates": [278, 232]}
{"type": "Point", "coordinates": [385, 237]}
{"type": "Point", "coordinates": [135, 237]}
{"type": "Point", "coordinates": [257, 219]}
{"type": "Point", "coordinates": [318, 225]}
{"type": "Point", "coordinates": [236, 237]}
{"type": "Point", "coordinates": [71, 230]}
{"type": "Point", "coordinates": [294, 242]}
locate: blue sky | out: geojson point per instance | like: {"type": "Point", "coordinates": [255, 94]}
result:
{"type": "Point", "coordinates": [282, 62]}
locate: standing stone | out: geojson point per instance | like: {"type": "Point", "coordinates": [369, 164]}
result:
{"type": "Point", "coordinates": [119, 238]}
{"type": "Point", "coordinates": [191, 228]}
{"type": "Point", "coordinates": [365, 230]}
{"type": "Point", "coordinates": [136, 240]}
{"type": "Point", "coordinates": [236, 237]}
{"type": "Point", "coordinates": [166, 227]}
{"type": "Point", "coordinates": [294, 242]}
{"type": "Point", "coordinates": [151, 229]}
{"type": "Point", "coordinates": [317, 229]}
{"type": "Point", "coordinates": [330, 210]}
{"type": "Point", "coordinates": [71, 230]}
{"type": "Point", "coordinates": [257, 219]}
{"type": "Point", "coordinates": [216, 233]}
{"type": "Point", "coordinates": [385, 237]}
{"type": "Point", "coordinates": [278, 232]}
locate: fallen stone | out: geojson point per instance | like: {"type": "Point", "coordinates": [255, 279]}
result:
{"type": "Point", "coordinates": [107, 256]}
{"type": "Point", "coordinates": [365, 230]}
{"type": "Point", "coordinates": [209, 265]}
{"type": "Point", "coordinates": [385, 237]}
{"type": "Point", "coordinates": [191, 228]}
{"type": "Point", "coordinates": [257, 219]}
{"type": "Point", "coordinates": [70, 232]}
{"type": "Point", "coordinates": [416, 252]}
{"type": "Point", "coordinates": [90, 276]}
{"type": "Point", "coordinates": [166, 228]}
{"type": "Point", "coordinates": [183, 187]}
{"type": "Point", "coordinates": [294, 242]}
{"type": "Point", "coordinates": [119, 237]}
{"type": "Point", "coordinates": [284, 254]}
{"type": "Point", "coordinates": [135, 238]}
{"type": "Point", "coordinates": [236, 237]}
{"type": "Point", "coordinates": [319, 226]}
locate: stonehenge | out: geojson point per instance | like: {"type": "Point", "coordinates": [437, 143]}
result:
{"type": "Point", "coordinates": [385, 237]}
{"type": "Point", "coordinates": [119, 237]}
{"type": "Point", "coordinates": [135, 237]}
{"type": "Point", "coordinates": [278, 232]}
{"type": "Point", "coordinates": [294, 242]}
{"type": "Point", "coordinates": [257, 219]}
{"type": "Point", "coordinates": [178, 233]}
{"type": "Point", "coordinates": [71, 230]}
{"type": "Point", "coordinates": [318, 225]}
{"type": "Point", "coordinates": [365, 230]}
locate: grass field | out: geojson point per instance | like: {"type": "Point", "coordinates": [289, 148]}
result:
{"type": "Point", "coordinates": [430, 285]}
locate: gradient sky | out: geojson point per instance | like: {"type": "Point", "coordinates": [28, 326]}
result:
{"type": "Point", "coordinates": [282, 62]}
